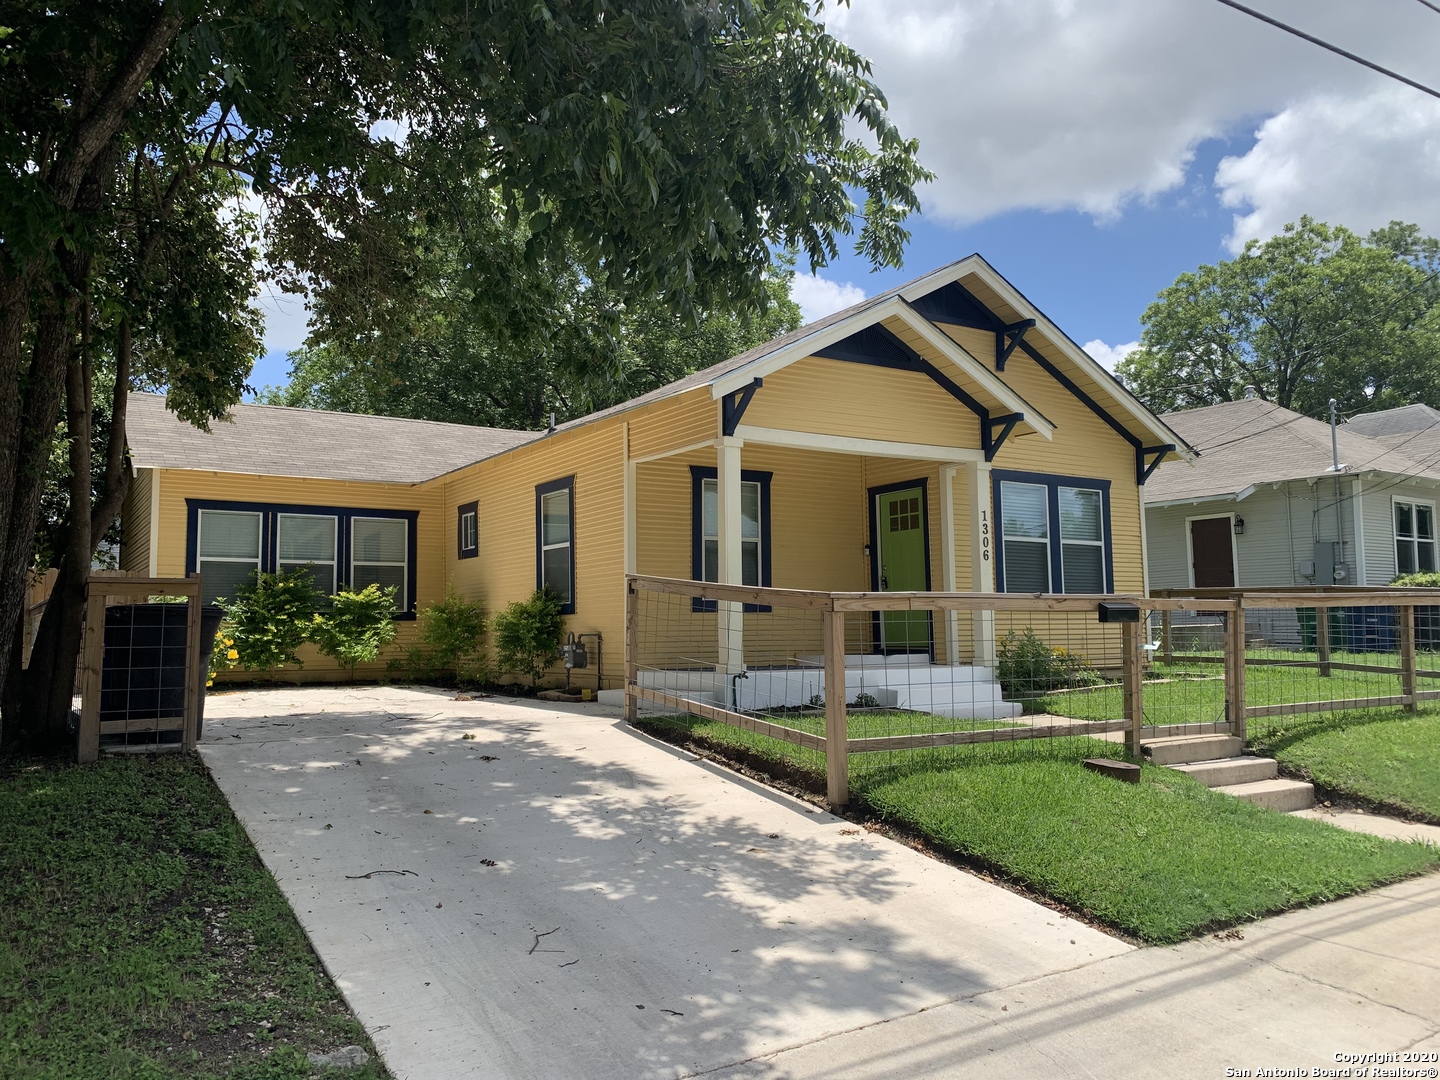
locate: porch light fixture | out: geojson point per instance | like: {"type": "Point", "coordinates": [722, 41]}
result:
{"type": "Point", "coordinates": [1239, 526]}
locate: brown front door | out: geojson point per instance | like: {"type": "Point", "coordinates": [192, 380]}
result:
{"type": "Point", "coordinates": [1213, 557]}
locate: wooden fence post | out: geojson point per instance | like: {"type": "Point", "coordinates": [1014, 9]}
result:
{"type": "Point", "coordinates": [1167, 653]}
{"type": "Point", "coordinates": [1407, 656]}
{"type": "Point", "coordinates": [1235, 670]}
{"type": "Point", "coordinates": [194, 680]}
{"type": "Point", "coordinates": [837, 750]}
{"type": "Point", "coordinates": [92, 656]}
{"type": "Point", "coordinates": [1322, 640]}
{"type": "Point", "coordinates": [1132, 683]}
{"type": "Point", "coordinates": [632, 665]}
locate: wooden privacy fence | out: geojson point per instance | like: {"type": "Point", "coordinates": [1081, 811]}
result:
{"type": "Point", "coordinates": [690, 644]}
{"type": "Point", "coordinates": [109, 587]}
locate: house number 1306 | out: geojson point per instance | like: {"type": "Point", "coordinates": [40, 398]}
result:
{"type": "Point", "coordinates": [985, 535]}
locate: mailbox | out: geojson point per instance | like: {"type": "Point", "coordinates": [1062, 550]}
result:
{"type": "Point", "coordinates": [1119, 613]}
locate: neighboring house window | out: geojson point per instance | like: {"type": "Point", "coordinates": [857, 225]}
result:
{"type": "Point", "coordinates": [1414, 536]}
{"type": "Point", "coordinates": [380, 555]}
{"type": "Point", "coordinates": [467, 531]}
{"type": "Point", "coordinates": [555, 536]}
{"type": "Point", "coordinates": [342, 547]}
{"type": "Point", "coordinates": [308, 540]}
{"type": "Point", "coordinates": [1054, 533]}
{"type": "Point", "coordinates": [755, 532]}
{"type": "Point", "coordinates": [229, 551]}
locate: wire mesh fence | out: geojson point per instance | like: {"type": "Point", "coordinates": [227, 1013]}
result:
{"type": "Point", "coordinates": [873, 682]}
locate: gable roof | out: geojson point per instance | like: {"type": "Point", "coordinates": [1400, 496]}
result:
{"type": "Point", "coordinates": [269, 440]}
{"type": "Point", "coordinates": [1405, 420]}
{"type": "Point", "coordinates": [1245, 443]}
{"type": "Point", "coordinates": [996, 299]}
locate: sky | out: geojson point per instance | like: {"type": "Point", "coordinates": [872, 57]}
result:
{"type": "Point", "coordinates": [1093, 150]}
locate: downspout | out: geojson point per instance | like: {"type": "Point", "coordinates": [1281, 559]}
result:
{"type": "Point", "coordinates": [1335, 467]}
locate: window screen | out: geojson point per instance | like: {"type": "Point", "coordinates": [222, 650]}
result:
{"type": "Point", "coordinates": [1082, 540]}
{"type": "Point", "coordinates": [1414, 537]}
{"type": "Point", "coordinates": [228, 552]}
{"type": "Point", "coordinates": [1025, 534]}
{"type": "Point", "coordinates": [378, 556]}
{"type": "Point", "coordinates": [750, 531]}
{"type": "Point", "coordinates": [556, 544]}
{"type": "Point", "coordinates": [307, 540]}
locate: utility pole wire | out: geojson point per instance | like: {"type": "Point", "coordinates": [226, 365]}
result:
{"type": "Point", "coordinates": [1335, 48]}
{"type": "Point", "coordinates": [1433, 7]}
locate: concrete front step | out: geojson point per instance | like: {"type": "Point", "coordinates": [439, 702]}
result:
{"type": "Point", "coordinates": [1230, 771]}
{"type": "Point", "coordinates": [1184, 749]}
{"type": "Point", "coordinates": [1282, 795]}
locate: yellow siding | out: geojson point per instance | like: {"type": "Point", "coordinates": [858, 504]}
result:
{"type": "Point", "coordinates": [833, 397]}
{"type": "Point", "coordinates": [135, 536]}
{"type": "Point", "coordinates": [668, 425]}
{"type": "Point", "coordinates": [176, 486]}
{"type": "Point", "coordinates": [504, 572]}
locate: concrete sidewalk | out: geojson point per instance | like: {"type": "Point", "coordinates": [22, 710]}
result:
{"type": "Point", "coordinates": [646, 914]}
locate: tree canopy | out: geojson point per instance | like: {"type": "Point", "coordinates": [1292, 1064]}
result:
{"type": "Point", "coordinates": [1314, 312]}
{"type": "Point", "coordinates": [655, 148]}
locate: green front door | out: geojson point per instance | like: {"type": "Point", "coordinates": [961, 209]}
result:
{"type": "Point", "coordinates": [900, 552]}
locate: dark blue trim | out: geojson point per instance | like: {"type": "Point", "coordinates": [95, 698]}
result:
{"type": "Point", "coordinates": [1143, 469]}
{"type": "Point", "coordinates": [343, 514]}
{"type": "Point", "coordinates": [698, 475]}
{"type": "Point", "coordinates": [733, 406]}
{"type": "Point", "coordinates": [989, 441]}
{"type": "Point", "coordinates": [1007, 338]}
{"type": "Point", "coordinates": [1089, 402]}
{"type": "Point", "coordinates": [874, 494]}
{"type": "Point", "coordinates": [461, 551]}
{"type": "Point", "coordinates": [1052, 484]}
{"type": "Point", "coordinates": [958, 306]}
{"type": "Point", "coordinates": [541, 490]}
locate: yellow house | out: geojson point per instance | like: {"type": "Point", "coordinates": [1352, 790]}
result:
{"type": "Point", "coordinates": [943, 435]}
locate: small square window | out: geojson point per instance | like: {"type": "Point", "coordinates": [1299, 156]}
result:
{"type": "Point", "coordinates": [467, 530]}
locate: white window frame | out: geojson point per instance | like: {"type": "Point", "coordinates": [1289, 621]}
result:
{"type": "Point", "coordinates": [1042, 541]}
{"type": "Point", "coordinates": [470, 531]}
{"type": "Point", "coordinates": [709, 485]}
{"type": "Point", "coordinates": [1059, 531]}
{"type": "Point", "coordinates": [201, 560]}
{"type": "Point", "coordinates": [1414, 539]}
{"type": "Point", "coordinates": [402, 595]}
{"type": "Point", "coordinates": [282, 564]}
{"type": "Point", "coordinates": [567, 490]}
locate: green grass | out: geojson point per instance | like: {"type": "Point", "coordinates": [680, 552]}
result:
{"type": "Point", "coordinates": [1381, 757]}
{"type": "Point", "coordinates": [1182, 692]}
{"type": "Point", "coordinates": [141, 937]}
{"type": "Point", "coordinates": [1162, 860]}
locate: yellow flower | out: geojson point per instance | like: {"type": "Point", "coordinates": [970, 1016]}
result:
{"type": "Point", "coordinates": [232, 655]}
{"type": "Point", "coordinates": [229, 642]}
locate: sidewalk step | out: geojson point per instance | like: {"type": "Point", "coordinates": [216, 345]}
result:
{"type": "Point", "coordinates": [1183, 749]}
{"type": "Point", "coordinates": [1229, 771]}
{"type": "Point", "coordinates": [1281, 795]}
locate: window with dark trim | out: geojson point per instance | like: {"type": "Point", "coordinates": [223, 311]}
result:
{"type": "Point", "coordinates": [343, 547]}
{"type": "Point", "coordinates": [1054, 533]}
{"type": "Point", "coordinates": [555, 540]}
{"type": "Point", "coordinates": [1414, 536]}
{"type": "Point", "coordinates": [755, 532]}
{"type": "Point", "coordinates": [467, 530]}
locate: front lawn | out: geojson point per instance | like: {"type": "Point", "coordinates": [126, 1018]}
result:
{"type": "Point", "coordinates": [1163, 859]}
{"type": "Point", "coordinates": [141, 937]}
{"type": "Point", "coordinates": [1384, 758]}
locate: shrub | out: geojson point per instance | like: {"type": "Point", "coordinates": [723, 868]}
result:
{"type": "Point", "coordinates": [1425, 579]}
{"type": "Point", "coordinates": [527, 635]}
{"type": "Point", "coordinates": [452, 641]}
{"type": "Point", "coordinates": [356, 626]}
{"type": "Point", "coordinates": [271, 618]}
{"type": "Point", "coordinates": [1028, 666]}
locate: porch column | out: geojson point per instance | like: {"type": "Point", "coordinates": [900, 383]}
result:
{"type": "Point", "coordinates": [730, 617]}
{"type": "Point", "coordinates": [983, 538]}
{"type": "Point", "coordinates": [947, 540]}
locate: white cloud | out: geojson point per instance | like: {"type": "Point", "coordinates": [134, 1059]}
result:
{"type": "Point", "coordinates": [1057, 104]}
{"type": "Point", "coordinates": [286, 320]}
{"type": "Point", "coordinates": [1109, 355]}
{"type": "Point", "coordinates": [819, 296]}
{"type": "Point", "coordinates": [1361, 162]}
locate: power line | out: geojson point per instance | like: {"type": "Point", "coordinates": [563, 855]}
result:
{"type": "Point", "coordinates": [1433, 7]}
{"type": "Point", "coordinates": [1335, 48]}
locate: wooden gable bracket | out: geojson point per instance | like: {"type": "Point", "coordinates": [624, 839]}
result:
{"type": "Point", "coordinates": [990, 442]}
{"type": "Point", "coordinates": [1144, 468]}
{"type": "Point", "coordinates": [1007, 338]}
{"type": "Point", "coordinates": [733, 406]}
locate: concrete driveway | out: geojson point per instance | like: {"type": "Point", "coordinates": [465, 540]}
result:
{"type": "Point", "coordinates": [647, 915]}
{"type": "Point", "coordinates": [650, 915]}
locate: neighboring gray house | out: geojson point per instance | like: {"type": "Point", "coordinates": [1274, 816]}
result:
{"type": "Point", "coordinates": [1262, 505]}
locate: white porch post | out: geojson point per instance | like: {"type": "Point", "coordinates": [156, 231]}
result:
{"type": "Point", "coordinates": [730, 620]}
{"type": "Point", "coordinates": [947, 540]}
{"type": "Point", "coordinates": [983, 538]}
